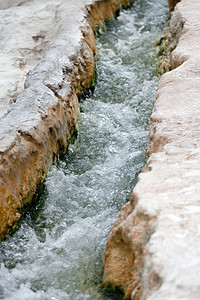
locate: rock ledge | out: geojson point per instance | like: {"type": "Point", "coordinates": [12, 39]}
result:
{"type": "Point", "coordinates": [42, 118]}
{"type": "Point", "coordinates": [153, 250]}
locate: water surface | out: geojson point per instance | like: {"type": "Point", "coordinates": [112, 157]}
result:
{"type": "Point", "coordinates": [57, 252]}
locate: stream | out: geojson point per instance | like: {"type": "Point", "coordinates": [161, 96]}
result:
{"type": "Point", "coordinates": [57, 251]}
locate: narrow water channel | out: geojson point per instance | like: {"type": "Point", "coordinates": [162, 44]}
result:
{"type": "Point", "coordinates": [57, 252]}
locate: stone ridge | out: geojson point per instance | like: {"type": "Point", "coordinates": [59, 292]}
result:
{"type": "Point", "coordinates": [41, 121]}
{"type": "Point", "coordinates": [153, 250]}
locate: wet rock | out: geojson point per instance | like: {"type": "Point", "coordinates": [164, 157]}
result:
{"type": "Point", "coordinates": [161, 47]}
{"type": "Point", "coordinates": [47, 60]}
{"type": "Point", "coordinates": [172, 4]}
{"type": "Point", "coordinates": [160, 223]}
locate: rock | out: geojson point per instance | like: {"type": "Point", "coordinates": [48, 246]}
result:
{"type": "Point", "coordinates": [161, 47]}
{"type": "Point", "coordinates": [9, 3]}
{"type": "Point", "coordinates": [172, 4]}
{"type": "Point", "coordinates": [159, 227]}
{"type": "Point", "coordinates": [47, 60]}
{"type": "Point", "coordinates": [26, 32]}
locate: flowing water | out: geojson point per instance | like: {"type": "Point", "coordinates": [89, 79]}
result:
{"type": "Point", "coordinates": [57, 251]}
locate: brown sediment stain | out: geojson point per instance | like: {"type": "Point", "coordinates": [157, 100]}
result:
{"type": "Point", "coordinates": [99, 11]}
{"type": "Point", "coordinates": [141, 230]}
{"type": "Point", "coordinates": [25, 165]}
{"type": "Point", "coordinates": [124, 254]}
{"type": "Point", "coordinates": [25, 161]}
{"type": "Point", "coordinates": [172, 4]}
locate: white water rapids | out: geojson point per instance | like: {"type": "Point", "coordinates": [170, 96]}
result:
{"type": "Point", "coordinates": [57, 251]}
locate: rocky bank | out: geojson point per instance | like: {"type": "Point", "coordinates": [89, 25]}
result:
{"type": "Point", "coordinates": [153, 250]}
{"type": "Point", "coordinates": [47, 60]}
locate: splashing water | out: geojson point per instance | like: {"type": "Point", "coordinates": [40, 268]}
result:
{"type": "Point", "coordinates": [57, 252]}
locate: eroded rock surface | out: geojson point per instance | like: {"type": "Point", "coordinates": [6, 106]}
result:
{"type": "Point", "coordinates": [26, 32]}
{"type": "Point", "coordinates": [47, 46]}
{"type": "Point", "coordinates": [153, 250]}
{"type": "Point", "coordinates": [172, 4]}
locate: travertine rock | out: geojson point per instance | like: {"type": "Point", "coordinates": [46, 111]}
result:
{"type": "Point", "coordinates": [26, 32]}
{"type": "Point", "coordinates": [53, 41]}
{"type": "Point", "coordinates": [9, 3]}
{"type": "Point", "coordinates": [161, 223]}
{"type": "Point", "coordinates": [172, 4]}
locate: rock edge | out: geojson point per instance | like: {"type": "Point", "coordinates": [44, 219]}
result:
{"type": "Point", "coordinates": [153, 250]}
{"type": "Point", "coordinates": [40, 123]}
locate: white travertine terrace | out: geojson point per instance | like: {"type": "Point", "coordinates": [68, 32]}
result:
{"type": "Point", "coordinates": [174, 248]}
{"type": "Point", "coordinates": [27, 30]}
{"type": "Point", "coordinates": [161, 223]}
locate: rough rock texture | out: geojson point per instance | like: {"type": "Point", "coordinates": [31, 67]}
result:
{"type": "Point", "coordinates": [53, 39]}
{"type": "Point", "coordinates": [26, 32]}
{"type": "Point", "coordinates": [153, 250]}
{"type": "Point", "coordinates": [172, 4]}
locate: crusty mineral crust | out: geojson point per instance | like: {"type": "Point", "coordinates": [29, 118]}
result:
{"type": "Point", "coordinates": [41, 121]}
{"type": "Point", "coordinates": [159, 227]}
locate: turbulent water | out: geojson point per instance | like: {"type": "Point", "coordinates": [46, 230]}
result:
{"type": "Point", "coordinates": [57, 252]}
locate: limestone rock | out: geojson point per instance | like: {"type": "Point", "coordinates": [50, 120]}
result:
{"type": "Point", "coordinates": [47, 60]}
{"type": "Point", "coordinates": [160, 224]}
{"type": "Point", "coordinates": [172, 4]}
